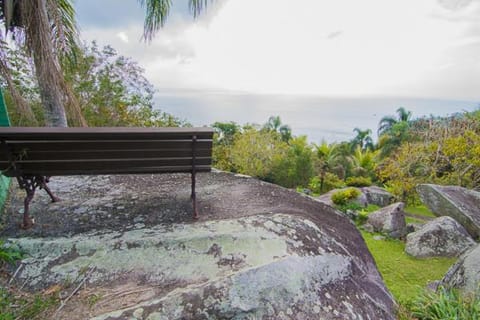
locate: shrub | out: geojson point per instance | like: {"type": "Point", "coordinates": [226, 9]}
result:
{"type": "Point", "coordinates": [330, 181]}
{"type": "Point", "coordinates": [358, 182]}
{"type": "Point", "coordinates": [342, 197]}
{"type": "Point", "coordinates": [446, 304]}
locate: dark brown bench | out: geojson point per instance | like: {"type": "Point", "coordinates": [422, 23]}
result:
{"type": "Point", "coordinates": [32, 155]}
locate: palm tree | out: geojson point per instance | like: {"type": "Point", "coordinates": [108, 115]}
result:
{"type": "Point", "coordinates": [275, 124]}
{"type": "Point", "coordinates": [363, 162]}
{"type": "Point", "coordinates": [328, 154]}
{"type": "Point", "coordinates": [387, 122]}
{"type": "Point", "coordinates": [362, 139]}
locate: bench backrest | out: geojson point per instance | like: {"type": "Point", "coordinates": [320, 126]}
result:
{"type": "Point", "coordinates": [70, 151]}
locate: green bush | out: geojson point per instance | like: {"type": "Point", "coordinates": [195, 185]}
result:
{"type": "Point", "coordinates": [352, 206]}
{"type": "Point", "coordinates": [358, 182]}
{"type": "Point", "coordinates": [446, 304]}
{"type": "Point", "coordinates": [330, 181]}
{"type": "Point", "coordinates": [342, 197]}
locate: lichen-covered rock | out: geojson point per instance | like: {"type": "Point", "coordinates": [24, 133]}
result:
{"type": "Point", "coordinates": [389, 220]}
{"type": "Point", "coordinates": [377, 196]}
{"type": "Point", "coordinates": [259, 266]}
{"type": "Point", "coordinates": [465, 273]}
{"type": "Point", "coordinates": [257, 251]}
{"type": "Point", "coordinates": [457, 202]}
{"type": "Point", "coordinates": [368, 195]}
{"type": "Point", "coordinates": [441, 237]}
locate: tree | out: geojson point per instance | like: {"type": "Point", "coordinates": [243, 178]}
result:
{"type": "Point", "coordinates": [274, 124]}
{"type": "Point", "coordinates": [363, 139]}
{"type": "Point", "coordinates": [254, 152]}
{"type": "Point", "coordinates": [328, 157]}
{"type": "Point", "coordinates": [113, 90]}
{"type": "Point", "coordinates": [387, 122]}
{"type": "Point", "coordinates": [363, 162]}
{"type": "Point", "coordinates": [295, 168]}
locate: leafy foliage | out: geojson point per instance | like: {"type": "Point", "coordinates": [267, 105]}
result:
{"type": "Point", "coordinates": [111, 89]}
{"type": "Point", "coordinates": [342, 197]}
{"type": "Point", "coordinates": [326, 183]}
{"type": "Point", "coordinates": [358, 182]}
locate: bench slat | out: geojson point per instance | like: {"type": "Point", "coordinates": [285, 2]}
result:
{"type": "Point", "coordinates": [108, 154]}
{"type": "Point", "coordinates": [115, 133]}
{"type": "Point", "coordinates": [184, 169]}
{"type": "Point", "coordinates": [19, 147]}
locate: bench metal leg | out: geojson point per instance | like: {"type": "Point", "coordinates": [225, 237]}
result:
{"type": "Point", "coordinates": [194, 172]}
{"type": "Point", "coordinates": [194, 198]}
{"type": "Point", "coordinates": [30, 184]}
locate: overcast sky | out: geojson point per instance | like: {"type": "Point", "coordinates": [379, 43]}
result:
{"type": "Point", "coordinates": [427, 48]}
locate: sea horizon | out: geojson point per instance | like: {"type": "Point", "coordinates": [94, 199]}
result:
{"type": "Point", "coordinates": [319, 118]}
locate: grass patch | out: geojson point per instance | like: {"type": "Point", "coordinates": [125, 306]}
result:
{"type": "Point", "coordinates": [445, 304]}
{"type": "Point", "coordinates": [404, 276]}
{"type": "Point", "coordinates": [414, 220]}
{"type": "Point", "coordinates": [420, 210]}
{"type": "Point", "coordinates": [22, 306]}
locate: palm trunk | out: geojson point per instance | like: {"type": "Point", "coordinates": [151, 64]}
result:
{"type": "Point", "coordinates": [38, 36]}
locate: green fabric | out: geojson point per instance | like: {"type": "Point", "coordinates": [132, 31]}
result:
{"type": "Point", "coordinates": [4, 122]}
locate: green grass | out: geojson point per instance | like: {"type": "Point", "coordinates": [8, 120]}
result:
{"type": "Point", "coordinates": [414, 220]}
{"type": "Point", "coordinates": [25, 307]}
{"type": "Point", "coordinates": [420, 210]}
{"type": "Point", "coordinates": [404, 276]}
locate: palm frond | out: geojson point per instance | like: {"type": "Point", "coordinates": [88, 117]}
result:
{"type": "Point", "coordinates": [156, 13]}
{"type": "Point", "coordinates": [385, 124]}
{"type": "Point", "coordinates": [197, 6]}
{"type": "Point", "coordinates": [61, 15]}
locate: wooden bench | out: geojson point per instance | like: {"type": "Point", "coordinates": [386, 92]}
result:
{"type": "Point", "coordinates": [32, 155]}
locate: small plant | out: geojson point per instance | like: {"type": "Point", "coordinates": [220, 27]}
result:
{"type": "Point", "coordinates": [9, 253]}
{"type": "Point", "coordinates": [446, 304]}
{"type": "Point", "coordinates": [330, 181]}
{"type": "Point", "coordinates": [358, 182]}
{"type": "Point", "coordinates": [362, 217]}
{"type": "Point", "coordinates": [342, 197]}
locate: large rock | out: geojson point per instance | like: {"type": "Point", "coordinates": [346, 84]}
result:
{"type": "Point", "coordinates": [441, 237]}
{"type": "Point", "coordinates": [459, 203]}
{"type": "Point", "coordinates": [327, 198]}
{"type": "Point", "coordinates": [368, 195]}
{"type": "Point", "coordinates": [389, 220]}
{"type": "Point", "coordinates": [465, 273]}
{"type": "Point", "coordinates": [257, 251]}
{"type": "Point", "coordinates": [377, 196]}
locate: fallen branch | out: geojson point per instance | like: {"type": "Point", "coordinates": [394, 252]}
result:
{"type": "Point", "coordinates": [64, 302]}
{"type": "Point", "coordinates": [16, 272]}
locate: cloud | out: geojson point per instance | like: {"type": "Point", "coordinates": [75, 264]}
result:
{"type": "Point", "coordinates": [123, 36]}
{"type": "Point", "coordinates": [410, 48]}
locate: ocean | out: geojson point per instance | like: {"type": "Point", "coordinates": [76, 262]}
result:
{"type": "Point", "coordinates": [320, 118]}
